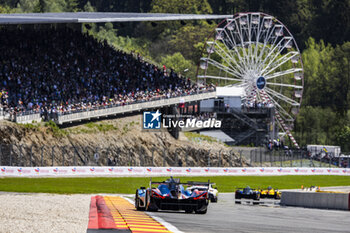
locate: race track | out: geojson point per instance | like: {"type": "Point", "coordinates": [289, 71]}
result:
{"type": "Point", "coordinates": [226, 216]}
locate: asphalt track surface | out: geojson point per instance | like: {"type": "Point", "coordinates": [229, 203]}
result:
{"type": "Point", "coordinates": [226, 216]}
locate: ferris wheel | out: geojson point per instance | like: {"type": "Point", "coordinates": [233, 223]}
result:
{"type": "Point", "coordinates": [256, 52]}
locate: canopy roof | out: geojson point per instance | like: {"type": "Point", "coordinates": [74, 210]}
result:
{"type": "Point", "coordinates": [98, 17]}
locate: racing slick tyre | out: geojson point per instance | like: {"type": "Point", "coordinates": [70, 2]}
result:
{"type": "Point", "coordinates": [150, 205]}
{"type": "Point", "coordinates": [203, 210]}
{"type": "Point", "coordinates": [137, 201]}
{"type": "Point", "coordinates": [256, 197]}
{"type": "Point", "coordinates": [214, 199]}
{"type": "Point", "coordinates": [237, 196]}
{"type": "Point", "coordinates": [189, 211]}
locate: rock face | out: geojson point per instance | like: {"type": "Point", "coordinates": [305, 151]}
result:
{"type": "Point", "coordinates": [120, 142]}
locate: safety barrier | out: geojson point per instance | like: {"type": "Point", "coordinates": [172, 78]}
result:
{"type": "Point", "coordinates": [165, 171]}
{"type": "Point", "coordinates": [319, 200]}
{"type": "Point", "coordinates": [86, 115]}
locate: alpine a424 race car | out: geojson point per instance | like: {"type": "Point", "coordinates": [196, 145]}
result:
{"type": "Point", "coordinates": [248, 193]}
{"type": "Point", "coordinates": [171, 195]}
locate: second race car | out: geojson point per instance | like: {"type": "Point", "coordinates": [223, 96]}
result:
{"type": "Point", "coordinates": [270, 193]}
{"type": "Point", "coordinates": [213, 192]}
{"type": "Point", "coordinates": [248, 193]}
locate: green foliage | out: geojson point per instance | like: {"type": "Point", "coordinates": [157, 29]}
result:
{"type": "Point", "coordinates": [178, 63]}
{"type": "Point", "coordinates": [343, 138]}
{"type": "Point", "coordinates": [199, 138]}
{"type": "Point", "coordinates": [31, 127]}
{"type": "Point", "coordinates": [101, 127]}
{"type": "Point", "coordinates": [27, 6]}
{"type": "Point", "coordinates": [181, 7]}
{"type": "Point", "coordinates": [88, 7]}
{"type": "Point", "coordinates": [55, 130]}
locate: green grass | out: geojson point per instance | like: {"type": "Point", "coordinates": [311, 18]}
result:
{"type": "Point", "coordinates": [198, 137]}
{"type": "Point", "coordinates": [130, 184]}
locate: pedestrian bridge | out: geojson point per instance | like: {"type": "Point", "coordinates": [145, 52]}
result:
{"type": "Point", "coordinates": [115, 110]}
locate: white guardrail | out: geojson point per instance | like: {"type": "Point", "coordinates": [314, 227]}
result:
{"type": "Point", "coordinates": [132, 107]}
{"type": "Point", "coordinates": [25, 119]}
{"type": "Point", "coordinates": [7, 171]}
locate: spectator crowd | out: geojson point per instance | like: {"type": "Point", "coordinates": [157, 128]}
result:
{"type": "Point", "coordinates": [62, 71]}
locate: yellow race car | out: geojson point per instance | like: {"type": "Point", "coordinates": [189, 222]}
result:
{"type": "Point", "coordinates": [270, 193]}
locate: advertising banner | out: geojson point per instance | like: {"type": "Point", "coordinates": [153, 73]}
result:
{"type": "Point", "coordinates": [7, 171]}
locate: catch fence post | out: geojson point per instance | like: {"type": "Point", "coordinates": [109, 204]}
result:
{"type": "Point", "coordinates": [187, 158]}
{"type": "Point", "coordinates": [63, 151]}
{"type": "Point", "coordinates": [260, 157]}
{"type": "Point", "coordinates": [280, 155]}
{"type": "Point", "coordinates": [52, 155]}
{"type": "Point", "coordinates": [74, 156]}
{"type": "Point", "coordinates": [271, 158]}
{"type": "Point", "coordinates": [164, 154]}
{"type": "Point", "coordinates": [11, 146]}
{"type": "Point", "coordinates": [230, 163]}
{"type": "Point", "coordinates": [153, 149]}
{"type": "Point", "coordinates": [0, 154]}
{"type": "Point", "coordinates": [251, 158]}
{"type": "Point", "coordinates": [42, 156]}
{"type": "Point", "coordinates": [130, 158]}
{"type": "Point", "coordinates": [20, 156]}
{"type": "Point", "coordinates": [31, 156]}
{"type": "Point", "coordinates": [209, 159]}
{"type": "Point", "coordinates": [240, 157]}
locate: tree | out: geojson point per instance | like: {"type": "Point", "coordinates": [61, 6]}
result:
{"type": "Point", "coordinates": [177, 62]}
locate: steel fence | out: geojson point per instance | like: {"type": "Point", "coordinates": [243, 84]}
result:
{"type": "Point", "coordinates": [293, 158]}
{"type": "Point", "coordinates": [77, 155]}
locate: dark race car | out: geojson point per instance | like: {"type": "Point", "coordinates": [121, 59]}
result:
{"type": "Point", "coordinates": [247, 193]}
{"type": "Point", "coordinates": [171, 195]}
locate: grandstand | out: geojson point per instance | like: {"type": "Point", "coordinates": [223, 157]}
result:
{"type": "Point", "coordinates": [68, 76]}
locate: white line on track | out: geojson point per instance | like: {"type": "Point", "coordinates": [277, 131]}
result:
{"type": "Point", "coordinates": [169, 226]}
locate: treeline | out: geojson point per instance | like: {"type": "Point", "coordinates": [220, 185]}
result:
{"type": "Point", "coordinates": [324, 115]}
{"type": "Point", "coordinates": [321, 29]}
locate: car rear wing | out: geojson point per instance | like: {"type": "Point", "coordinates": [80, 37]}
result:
{"type": "Point", "coordinates": [177, 181]}
{"type": "Point", "coordinates": [200, 183]}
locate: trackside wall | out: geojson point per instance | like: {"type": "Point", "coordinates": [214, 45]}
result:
{"type": "Point", "coordinates": [322, 200]}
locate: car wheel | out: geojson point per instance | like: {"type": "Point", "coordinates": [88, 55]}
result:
{"type": "Point", "coordinates": [201, 211]}
{"type": "Point", "coordinates": [256, 197]}
{"type": "Point", "coordinates": [214, 199]}
{"type": "Point", "coordinates": [237, 196]}
{"type": "Point", "coordinates": [137, 201]}
{"type": "Point", "coordinates": [189, 211]}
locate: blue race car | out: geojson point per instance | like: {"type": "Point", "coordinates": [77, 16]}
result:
{"type": "Point", "coordinates": [171, 195]}
{"type": "Point", "coordinates": [248, 193]}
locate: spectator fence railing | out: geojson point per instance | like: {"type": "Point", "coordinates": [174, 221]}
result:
{"type": "Point", "coordinates": [25, 119]}
{"type": "Point", "coordinates": [132, 107]}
